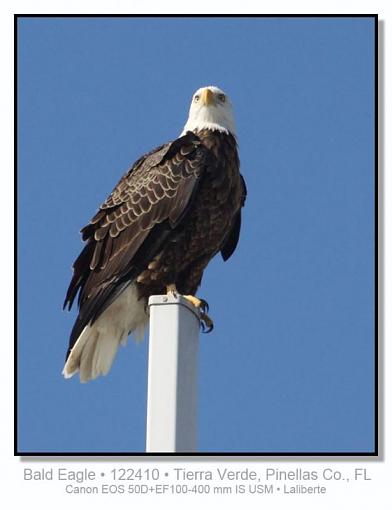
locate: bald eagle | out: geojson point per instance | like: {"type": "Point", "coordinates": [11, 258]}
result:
{"type": "Point", "coordinates": [175, 208]}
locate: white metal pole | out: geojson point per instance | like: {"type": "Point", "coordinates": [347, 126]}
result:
{"type": "Point", "coordinates": [172, 375]}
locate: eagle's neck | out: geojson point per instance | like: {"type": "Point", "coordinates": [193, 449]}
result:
{"type": "Point", "coordinates": [211, 126]}
{"type": "Point", "coordinates": [213, 119]}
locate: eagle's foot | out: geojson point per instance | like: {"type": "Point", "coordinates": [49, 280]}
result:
{"type": "Point", "coordinates": [198, 303]}
{"type": "Point", "coordinates": [172, 289]}
{"type": "Point", "coordinates": [206, 323]}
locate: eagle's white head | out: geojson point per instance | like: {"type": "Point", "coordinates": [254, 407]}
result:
{"type": "Point", "coordinates": [210, 109]}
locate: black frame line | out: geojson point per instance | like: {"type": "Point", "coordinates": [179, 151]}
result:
{"type": "Point", "coordinates": [108, 16]}
{"type": "Point", "coordinates": [238, 455]}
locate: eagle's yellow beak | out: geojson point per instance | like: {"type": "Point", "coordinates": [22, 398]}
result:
{"type": "Point", "coordinates": [207, 96]}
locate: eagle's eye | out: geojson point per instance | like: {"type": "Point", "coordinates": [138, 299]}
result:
{"type": "Point", "coordinates": [196, 98]}
{"type": "Point", "coordinates": [222, 98]}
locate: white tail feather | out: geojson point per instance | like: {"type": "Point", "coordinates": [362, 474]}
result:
{"type": "Point", "coordinates": [95, 349]}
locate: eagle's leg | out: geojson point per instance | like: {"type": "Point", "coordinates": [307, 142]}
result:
{"type": "Point", "coordinates": [202, 305]}
{"type": "Point", "coordinates": [206, 322]}
{"type": "Point", "coordinates": [172, 289]}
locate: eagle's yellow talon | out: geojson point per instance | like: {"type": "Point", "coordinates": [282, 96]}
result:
{"type": "Point", "coordinates": [206, 322]}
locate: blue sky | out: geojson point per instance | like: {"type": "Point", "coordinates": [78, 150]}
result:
{"type": "Point", "coordinates": [289, 366]}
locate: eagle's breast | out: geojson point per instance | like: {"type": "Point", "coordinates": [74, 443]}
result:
{"type": "Point", "coordinates": [219, 197]}
{"type": "Point", "coordinates": [209, 221]}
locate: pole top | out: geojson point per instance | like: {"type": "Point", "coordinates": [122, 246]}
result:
{"type": "Point", "coordinates": [171, 299]}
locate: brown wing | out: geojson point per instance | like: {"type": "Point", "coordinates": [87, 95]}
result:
{"type": "Point", "coordinates": [231, 241]}
{"type": "Point", "coordinates": [133, 223]}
